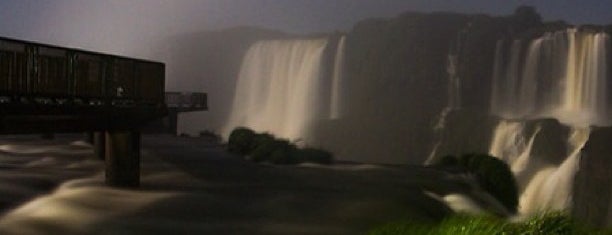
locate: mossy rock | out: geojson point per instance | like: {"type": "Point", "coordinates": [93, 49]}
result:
{"type": "Point", "coordinates": [264, 147]}
{"type": "Point", "coordinates": [495, 176]}
{"type": "Point", "coordinates": [492, 174]}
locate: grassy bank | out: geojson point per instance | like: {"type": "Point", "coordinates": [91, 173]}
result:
{"type": "Point", "coordinates": [554, 223]}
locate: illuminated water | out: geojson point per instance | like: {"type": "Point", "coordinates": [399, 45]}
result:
{"type": "Point", "coordinates": [453, 102]}
{"type": "Point", "coordinates": [278, 87]}
{"type": "Point", "coordinates": [191, 186]}
{"type": "Point", "coordinates": [562, 75]}
{"type": "Point", "coordinates": [542, 186]}
{"type": "Point", "coordinates": [338, 84]}
{"type": "Point", "coordinates": [552, 186]}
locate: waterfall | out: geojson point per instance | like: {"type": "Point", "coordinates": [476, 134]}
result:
{"type": "Point", "coordinates": [454, 83]}
{"type": "Point", "coordinates": [498, 74]}
{"type": "Point", "coordinates": [453, 102]}
{"type": "Point", "coordinates": [278, 87]}
{"type": "Point", "coordinates": [552, 187]}
{"type": "Point", "coordinates": [512, 143]}
{"type": "Point", "coordinates": [337, 81]}
{"type": "Point", "coordinates": [584, 96]}
{"type": "Point", "coordinates": [542, 186]}
{"type": "Point", "coordinates": [506, 80]}
{"type": "Point", "coordinates": [560, 75]}
{"type": "Point", "coordinates": [453, 91]}
{"type": "Point", "coordinates": [508, 141]}
{"type": "Point", "coordinates": [526, 92]}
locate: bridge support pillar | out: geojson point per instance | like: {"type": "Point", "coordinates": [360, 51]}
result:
{"type": "Point", "coordinates": [99, 144]}
{"type": "Point", "coordinates": [123, 158]}
{"type": "Point", "coordinates": [89, 137]}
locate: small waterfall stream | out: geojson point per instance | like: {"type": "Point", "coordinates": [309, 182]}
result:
{"type": "Point", "coordinates": [335, 111]}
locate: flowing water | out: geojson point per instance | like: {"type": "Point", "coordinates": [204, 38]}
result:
{"type": "Point", "coordinates": [192, 186]}
{"type": "Point", "coordinates": [561, 75]}
{"type": "Point", "coordinates": [453, 103]}
{"type": "Point", "coordinates": [552, 186]}
{"type": "Point", "coordinates": [542, 186]}
{"type": "Point", "coordinates": [278, 87]}
{"type": "Point", "coordinates": [335, 111]}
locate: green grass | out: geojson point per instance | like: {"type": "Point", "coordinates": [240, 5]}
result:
{"type": "Point", "coordinates": [553, 223]}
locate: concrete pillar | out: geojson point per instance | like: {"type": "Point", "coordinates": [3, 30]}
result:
{"type": "Point", "coordinates": [89, 137]}
{"type": "Point", "coordinates": [123, 158]}
{"type": "Point", "coordinates": [99, 144]}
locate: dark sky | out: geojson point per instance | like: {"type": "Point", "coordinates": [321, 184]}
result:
{"type": "Point", "coordinates": [129, 27]}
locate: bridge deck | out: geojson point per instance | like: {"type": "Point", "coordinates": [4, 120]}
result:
{"type": "Point", "coordinates": [46, 88]}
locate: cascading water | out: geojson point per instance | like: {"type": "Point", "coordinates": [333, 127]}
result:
{"type": "Point", "coordinates": [585, 81]}
{"type": "Point", "coordinates": [278, 87]}
{"type": "Point", "coordinates": [453, 103]}
{"type": "Point", "coordinates": [551, 187]}
{"type": "Point", "coordinates": [335, 111]}
{"type": "Point", "coordinates": [512, 144]}
{"type": "Point", "coordinates": [561, 75]}
{"type": "Point", "coordinates": [542, 186]}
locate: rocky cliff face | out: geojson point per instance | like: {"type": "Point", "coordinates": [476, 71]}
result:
{"type": "Point", "coordinates": [593, 185]}
{"type": "Point", "coordinates": [396, 72]}
{"type": "Point", "coordinates": [398, 77]}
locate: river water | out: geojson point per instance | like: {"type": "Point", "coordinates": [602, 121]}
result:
{"type": "Point", "coordinates": [192, 186]}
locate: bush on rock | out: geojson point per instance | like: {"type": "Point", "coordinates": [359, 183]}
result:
{"type": "Point", "coordinates": [241, 141]}
{"type": "Point", "coordinates": [264, 147]}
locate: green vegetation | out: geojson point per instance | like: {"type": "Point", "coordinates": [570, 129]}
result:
{"type": "Point", "coordinates": [493, 175]}
{"type": "Point", "coordinates": [264, 147]}
{"type": "Point", "coordinates": [554, 223]}
{"type": "Point", "coordinates": [240, 141]}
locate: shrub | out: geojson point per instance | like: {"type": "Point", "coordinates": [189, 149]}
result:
{"type": "Point", "coordinates": [284, 154]}
{"type": "Point", "coordinates": [241, 141]}
{"type": "Point", "coordinates": [264, 147]}
{"type": "Point", "coordinates": [261, 138]}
